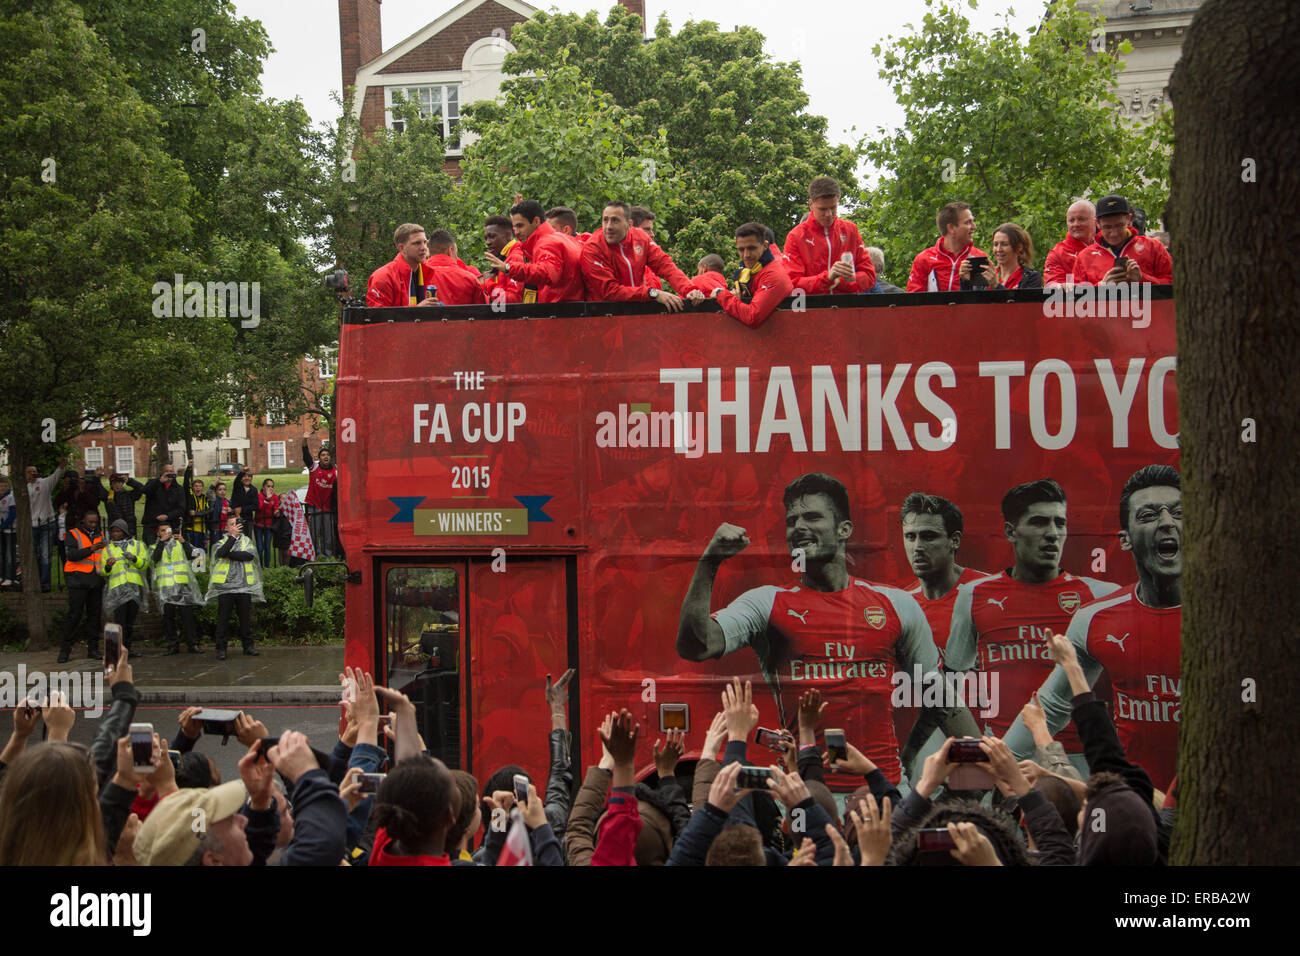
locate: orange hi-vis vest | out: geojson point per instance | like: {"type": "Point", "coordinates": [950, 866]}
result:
{"type": "Point", "coordinates": [87, 565]}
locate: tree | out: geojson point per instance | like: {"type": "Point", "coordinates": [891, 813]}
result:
{"type": "Point", "coordinates": [1235, 190]}
{"type": "Point", "coordinates": [90, 210]}
{"type": "Point", "coordinates": [1016, 127]}
{"type": "Point", "coordinates": [734, 123]}
{"type": "Point", "coordinates": [556, 139]}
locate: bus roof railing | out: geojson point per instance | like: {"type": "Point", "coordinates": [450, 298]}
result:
{"type": "Point", "coordinates": [360, 315]}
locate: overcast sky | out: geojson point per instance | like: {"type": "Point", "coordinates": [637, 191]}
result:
{"type": "Point", "coordinates": [832, 41]}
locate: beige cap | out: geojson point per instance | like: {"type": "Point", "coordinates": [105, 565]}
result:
{"type": "Point", "coordinates": [177, 824]}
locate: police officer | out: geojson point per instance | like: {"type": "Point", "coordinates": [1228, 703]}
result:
{"type": "Point", "coordinates": [82, 548]}
{"type": "Point", "coordinates": [123, 563]}
{"type": "Point", "coordinates": [235, 582]}
{"type": "Point", "coordinates": [176, 587]}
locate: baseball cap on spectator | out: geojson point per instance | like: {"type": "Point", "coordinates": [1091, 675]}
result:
{"type": "Point", "coordinates": [116, 476]}
{"type": "Point", "coordinates": [1113, 206]}
{"type": "Point", "coordinates": [168, 837]}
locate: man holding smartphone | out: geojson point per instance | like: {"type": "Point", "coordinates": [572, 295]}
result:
{"type": "Point", "coordinates": [833, 632]}
{"type": "Point", "coordinates": [1120, 253]}
{"type": "Point", "coordinates": [824, 253]}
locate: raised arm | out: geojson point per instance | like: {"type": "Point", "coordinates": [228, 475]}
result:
{"type": "Point", "coordinates": [699, 637]}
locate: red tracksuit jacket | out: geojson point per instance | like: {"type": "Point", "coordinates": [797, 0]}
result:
{"type": "Point", "coordinates": [771, 285]}
{"type": "Point", "coordinates": [710, 281]}
{"type": "Point", "coordinates": [494, 280]}
{"type": "Point", "coordinates": [390, 285]}
{"type": "Point", "coordinates": [1092, 264]}
{"type": "Point", "coordinates": [938, 263]}
{"type": "Point", "coordinates": [1060, 261]}
{"type": "Point", "coordinates": [456, 284]}
{"type": "Point", "coordinates": [617, 273]}
{"type": "Point", "coordinates": [810, 250]}
{"type": "Point", "coordinates": [552, 263]}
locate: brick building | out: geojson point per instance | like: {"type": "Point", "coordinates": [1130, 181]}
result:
{"type": "Point", "coordinates": [262, 442]}
{"type": "Point", "coordinates": [453, 60]}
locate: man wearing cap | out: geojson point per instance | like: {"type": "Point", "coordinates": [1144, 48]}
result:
{"type": "Point", "coordinates": [85, 584]}
{"type": "Point", "coordinates": [164, 503]}
{"type": "Point", "coordinates": [123, 563]}
{"type": "Point", "coordinates": [195, 827]}
{"type": "Point", "coordinates": [1148, 260]}
{"type": "Point", "coordinates": [119, 502]}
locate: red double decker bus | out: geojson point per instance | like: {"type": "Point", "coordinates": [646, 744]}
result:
{"type": "Point", "coordinates": [528, 493]}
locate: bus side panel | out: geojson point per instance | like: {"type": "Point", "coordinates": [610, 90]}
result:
{"type": "Point", "coordinates": [518, 630]}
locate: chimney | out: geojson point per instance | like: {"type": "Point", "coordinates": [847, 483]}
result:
{"type": "Point", "coordinates": [637, 7]}
{"type": "Point", "coordinates": [359, 36]}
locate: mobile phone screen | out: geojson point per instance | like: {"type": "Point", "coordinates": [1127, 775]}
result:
{"type": "Point", "coordinates": [142, 748]}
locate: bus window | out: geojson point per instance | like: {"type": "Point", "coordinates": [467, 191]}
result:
{"type": "Point", "coordinates": [423, 613]}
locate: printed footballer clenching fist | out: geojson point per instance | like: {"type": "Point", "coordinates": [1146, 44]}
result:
{"type": "Point", "coordinates": [839, 634]}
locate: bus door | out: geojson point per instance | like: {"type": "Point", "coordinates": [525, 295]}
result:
{"type": "Point", "coordinates": [470, 641]}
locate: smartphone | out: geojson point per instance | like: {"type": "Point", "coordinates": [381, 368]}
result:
{"type": "Point", "coordinates": [1121, 262]}
{"type": "Point", "coordinates": [521, 788]}
{"type": "Point", "coordinates": [175, 756]}
{"type": "Point", "coordinates": [966, 751]}
{"type": "Point", "coordinates": [771, 739]}
{"type": "Point", "coordinates": [142, 748]}
{"type": "Point", "coordinates": [370, 782]}
{"type": "Point", "coordinates": [834, 738]}
{"type": "Point", "coordinates": [932, 848]}
{"type": "Point", "coordinates": [217, 721]}
{"type": "Point", "coordinates": [754, 778]}
{"type": "Point", "coordinates": [977, 264]}
{"type": "Point", "coordinates": [112, 645]}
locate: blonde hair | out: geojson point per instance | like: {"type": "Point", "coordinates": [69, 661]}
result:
{"type": "Point", "coordinates": [49, 809]}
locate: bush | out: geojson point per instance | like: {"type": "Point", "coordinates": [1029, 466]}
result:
{"type": "Point", "coordinates": [285, 617]}
{"type": "Point", "coordinates": [13, 629]}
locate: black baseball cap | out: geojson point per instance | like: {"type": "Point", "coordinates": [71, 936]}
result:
{"type": "Point", "coordinates": [1113, 206]}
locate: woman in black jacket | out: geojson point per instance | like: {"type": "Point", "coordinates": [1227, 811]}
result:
{"type": "Point", "coordinates": [244, 498]}
{"type": "Point", "coordinates": [1013, 256]}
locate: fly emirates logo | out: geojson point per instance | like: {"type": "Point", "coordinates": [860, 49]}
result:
{"type": "Point", "coordinates": [1159, 708]}
{"type": "Point", "coordinates": [1031, 645]}
{"type": "Point", "coordinates": [837, 663]}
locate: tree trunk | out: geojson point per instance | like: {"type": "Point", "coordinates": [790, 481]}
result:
{"type": "Point", "coordinates": [33, 605]}
{"type": "Point", "coordinates": [1236, 189]}
{"type": "Point", "coordinates": [189, 439]}
{"type": "Point", "coordinates": [160, 451]}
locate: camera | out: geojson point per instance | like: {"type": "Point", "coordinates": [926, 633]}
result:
{"type": "Point", "coordinates": [337, 280]}
{"type": "Point", "coordinates": [966, 751]}
{"type": "Point", "coordinates": [370, 782]}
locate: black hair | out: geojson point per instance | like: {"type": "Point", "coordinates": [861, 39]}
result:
{"type": "Point", "coordinates": [194, 771]}
{"type": "Point", "coordinates": [1017, 501]}
{"type": "Point", "coordinates": [503, 779]}
{"type": "Point", "coordinates": [769, 235]}
{"type": "Point", "coordinates": [755, 229]}
{"type": "Point", "coordinates": [501, 222]}
{"type": "Point", "coordinates": [817, 483]}
{"type": "Point", "coordinates": [1150, 476]}
{"type": "Point", "coordinates": [441, 241]}
{"type": "Point", "coordinates": [530, 209]}
{"type": "Point", "coordinates": [996, 825]}
{"type": "Point", "coordinates": [919, 503]}
{"type": "Point", "coordinates": [627, 210]}
{"type": "Point", "coordinates": [414, 799]}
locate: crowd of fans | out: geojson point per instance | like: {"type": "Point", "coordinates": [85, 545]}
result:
{"type": "Point", "coordinates": [539, 255]}
{"type": "Point", "coordinates": [296, 805]}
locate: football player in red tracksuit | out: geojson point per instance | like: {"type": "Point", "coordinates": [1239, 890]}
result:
{"type": "Point", "coordinates": [1148, 260]}
{"type": "Point", "coordinates": [498, 237]}
{"type": "Point", "coordinates": [455, 284]}
{"type": "Point", "coordinates": [1080, 231]}
{"type": "Point", "coordinates": [938, 268]}
{"type": "Point", "coordinates": [399, 283]}
{"type": "Point", "coordinates": [708, 274]}
{"type": "Point", "coordinates": [1133, 634]}
{"type": "Point", "coordinates": [550, 262]}
{"type": "Point", "coordinates": [815, 248]}
{"type": "Point", "coordinates": [565, 220]}
{"type": "Point", "coordinates": [763, 280]}
{"type": "Point", "coordinates": [843, 636]}
{"type": "Point", "coordinates": [615, 259]}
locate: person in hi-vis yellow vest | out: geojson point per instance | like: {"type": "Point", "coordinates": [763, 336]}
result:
{"type": "Point", "coordinates": [235, 582]}
{"type": "Point", "coordinates": [124, 563]}
{"type": "Point", "coordinates": [176, 587]}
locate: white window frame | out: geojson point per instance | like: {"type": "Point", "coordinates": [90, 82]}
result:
{"type": "Point", "coordinates": [120, 422]}
{"type": "Point", "coordinates": [447, 128]}
{"type": "Point", "coordinates": [121, 452]}
{"type": "Point", "coordinates": [325, 367]}
{"type": "Point", "coordinates": [96, 461]}
{"type": "Point", "coordinates": [284, 454]}
{"type": "Point", "coordinates": [275, 413]}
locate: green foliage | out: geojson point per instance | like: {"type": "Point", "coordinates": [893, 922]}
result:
{"type": "Point", "coordinates": [556, 139]}
{"type": "Point", "coordinates": [13, 632]}
{"type": "Point", "coordinates": [1015, 126]}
